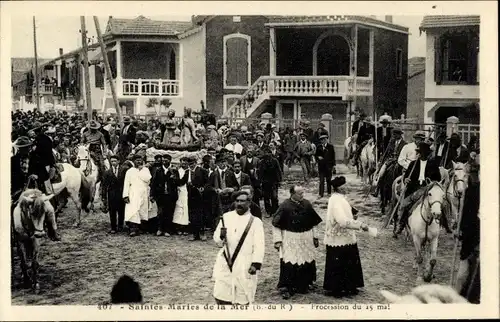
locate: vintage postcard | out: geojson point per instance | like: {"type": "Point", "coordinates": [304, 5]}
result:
{"type": "Point", "coordinates": [249, 160]}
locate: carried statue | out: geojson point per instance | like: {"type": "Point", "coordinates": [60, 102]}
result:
{"type": "Point", "coordinates": [188, 128]}
{"type": "Point", "coordinates": [170, 127]}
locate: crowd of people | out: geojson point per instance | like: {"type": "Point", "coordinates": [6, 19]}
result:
{"type": "Point", "coordinates": [242, 166]}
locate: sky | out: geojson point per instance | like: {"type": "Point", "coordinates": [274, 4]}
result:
{"type": "Point", "coordinates": [63, 32]}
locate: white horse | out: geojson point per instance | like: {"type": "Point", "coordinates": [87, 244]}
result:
{"type": "Point", "coordinates": [455, 188]}
{"type": "Point", "coordinates": [89, 169]}
{"type": "Point", "coordinates": [349, 148]}
{"type": "Point", "coordinates": [424, 227]}
{"type": "Point", "coordinates": [77, 186]}
{"type": "Point", "coordinates": [367, 160]}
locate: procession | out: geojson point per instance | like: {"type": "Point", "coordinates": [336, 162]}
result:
{"type": "Point", "coordinates": [236, 199]}
{"type": "Point", "coordinates": [220, 196]}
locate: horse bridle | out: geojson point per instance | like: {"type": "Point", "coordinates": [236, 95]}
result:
{"type": "Point", "coordinates": [88, 168]}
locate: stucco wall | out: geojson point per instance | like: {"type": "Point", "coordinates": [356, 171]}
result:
{"type": "Point", "coordinates": [416, 97]}
{"type": "Point", "coordinates": [216, 29]}
{"type": "Point", "coordinates": [389, 92]}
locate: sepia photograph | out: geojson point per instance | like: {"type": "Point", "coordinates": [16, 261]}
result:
{"type": "Point", "coordinates": [191, 162]}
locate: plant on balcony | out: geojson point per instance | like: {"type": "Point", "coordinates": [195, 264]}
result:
{"type": "Point", "coordinates": [152, 102]}
{"type": "Point", "coordinates": [165, 103]}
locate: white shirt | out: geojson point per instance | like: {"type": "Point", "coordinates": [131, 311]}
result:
{"type": "Point", "coordinates": [421, 176]}
{"type": "Point", "coordinates": [407, 155]}
{"type": "Point", "coordinates": [236, 148]}
{"type": "Point", "coordinates": [238, 177]}
{"type": "Point", "coordinates": [440, 150]}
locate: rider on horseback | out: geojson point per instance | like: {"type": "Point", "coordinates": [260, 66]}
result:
{"type": "Point", "coordinates": [365, 132]}
{"type": "Point", "coordinates": [97, 144]}
{"type": "Point", "coordinates": [20, 165]}
{"type": "Point", "coordinates": [390, 157]}
{"type": "Point", "coordinates": [415, 181]}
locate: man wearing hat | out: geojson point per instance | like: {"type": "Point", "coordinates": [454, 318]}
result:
{"type": "Point", "coordinates": [196, 183]}
{"type": "Point", "coordinates": [234, 146]}
{"type": "Point", "coordinates": [383, 134]}
{"type": "Point", "coordinates": [269, 174]}
{"type": "Point", "coordinates": [325, 154]}
{"type": "Point", "coordinates": [409, 153]}
{"type": "Point", "coordinates": [414, 179]}
{"type": "Point", "coordinates": [127, 137]}
{"type": "Point", "coordinates": [356, 126]}
{"type": "Point", "coordinates": [457, 152]}
{"type": "Point", "coordinates": [441, 146]}
{"type": "Point", "coordinates": [366, 132]}
{"type": "Point", "coordinates": [41, 159]}
{"type": "Point", "coordinates": [19, 166]}
{"type": "Point", "coordinates": [97, 144]}
{"type": "Point", "coordinates": [304, 151]}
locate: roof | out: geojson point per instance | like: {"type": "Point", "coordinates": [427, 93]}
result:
{"type": "Point", "coordinates": [142, 26]}
{"type": "Point", "coordinates": [329, 19]}
{"type": "Point", "coordinates": [416, 66]}
{"type": "Point", "coordinates": [25, 63]}
{"type": "Point", "coordinates": [430, 22]}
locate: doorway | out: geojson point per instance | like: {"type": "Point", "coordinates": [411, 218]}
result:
{"type": "Point", "coordinates": [333, 56]}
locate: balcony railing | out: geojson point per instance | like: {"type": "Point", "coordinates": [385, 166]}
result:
{"type": "Point", "coordinates": [44, 89]}
{"type": "Point", "coordinates": [306, 86]}
{"type": "Point", "coordinates": [149, 87]}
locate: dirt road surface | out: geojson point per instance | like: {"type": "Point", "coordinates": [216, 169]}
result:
{"type": "Point", "coordinates": [82, 268]}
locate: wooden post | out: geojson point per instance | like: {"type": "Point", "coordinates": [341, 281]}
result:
{"type": "Point", "coordinates": [36, 68]}
{"type": "Point", "coordinates": [108, 70]}
{"type": "Point", "coordinates": [85, 50]}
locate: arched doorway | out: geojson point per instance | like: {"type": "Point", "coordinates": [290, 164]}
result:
{"type": "Point", "coordinates": [332, 55]}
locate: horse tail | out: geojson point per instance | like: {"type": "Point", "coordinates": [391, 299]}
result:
{"type": "Point", "coordinates": [85, 194]}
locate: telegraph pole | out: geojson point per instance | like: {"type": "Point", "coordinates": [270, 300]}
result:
{"type": "Point", "coordinates": [85, 50]}
{"type": "Point", "coordinates": [108, 70]}
{"type": "Point", "coordinates": [37, 93]}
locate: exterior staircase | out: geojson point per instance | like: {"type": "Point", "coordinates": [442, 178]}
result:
{"type": "Point", "coordinates": [251, 103]}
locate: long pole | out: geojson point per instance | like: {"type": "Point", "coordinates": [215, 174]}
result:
{"type": "Point", "coordinates": [37, 93]}
{"type": "Point", "coordinates": [108, 70]}
{"type": "Point", "coordinates": [455, 248]}
{"type": "Point", "coordinates": [85, 50]}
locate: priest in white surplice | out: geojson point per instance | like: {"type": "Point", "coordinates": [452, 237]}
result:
{"type": "Point", "coordinates": [235, 272]}
{"type": "Point", "coordinates": [136, 195]}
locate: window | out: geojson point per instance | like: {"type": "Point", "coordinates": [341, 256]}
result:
{"type": "Point", "coordinates": [237, 61]}
{"type": "Point", "coordinates": [229, 100]}
{"type": "Point", "coordinates": [98, 77]}
{"type": "Point", "coordinates": [399, 63]}
{"type": "Point", "coordinates": [456, 58]}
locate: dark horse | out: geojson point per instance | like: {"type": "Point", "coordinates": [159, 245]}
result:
{"type": "Point", "coordinates": [393, 171]}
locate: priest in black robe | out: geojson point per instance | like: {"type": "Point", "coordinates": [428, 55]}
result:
{"type": "Point", "coordinates": [295, 237]}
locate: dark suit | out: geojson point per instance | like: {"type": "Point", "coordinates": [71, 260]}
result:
{"type": "Point", "coordinates": [251, 168]}
{"type": "Point", "coordinates": [164, 192]}
{"type": "Point", "coordinates": [232, 182]}
{"type": "Point", "coordinates": [278, 155]}
{"type": "Point", "coordinates": [431, 172]}
{"type": "Point", "coordinates": [436, 157]}
{"type": "Point", "coordinates": [325, 166]}
{"type": "Point", "coordinates": [41, 157]}
{"type": "Point", "coordinates": [269, 175]}
{"type": "Point", "coordinates": [128, 137]}
{"type": "Point", "coordinates": [365, 133]}
{"type": "Point", "coordinates": [107, 137]}
{"type": "Point", "coordinates": [456, 156]}
{"type": "Point", "coordinates": [383, 140]}
{"type": "Point", "coordinates": [355, 127]}
{"type": "Point", "coordinates": [112, 189]}
{"type": "Point", "coordinates": [196, 206]}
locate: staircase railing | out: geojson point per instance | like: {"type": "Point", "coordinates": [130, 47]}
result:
{"type": "Point", "coordinates": [309, 86]}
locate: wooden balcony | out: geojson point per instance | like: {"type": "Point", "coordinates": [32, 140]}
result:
{"type": "Point", "coordinates": [146, 87]}
{"type": "Point", "coordinates": [267, 87]}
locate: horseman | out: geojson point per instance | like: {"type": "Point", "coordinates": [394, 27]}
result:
{"type": "Point", "coordinates": [20, 164]}
{"type": "Point", "coordinates": [415, 180]}
{"type": "Point", "coordinates": [383, 135]}
{"type": "Point", "coordinates": [365, 133]}
{"type": "Point", "coordinates": [97, 145]}
{"type": "Point", "coordinates": [457, 152]}
{"type": "Point", "coordinates": [127, 139]}
{"type": "Point", "coordinates": [41, 161]}
{"type": "Point", "coordinates": [441, 146]}
{"type": "Point", "coordinates": [390, 157]}
{"type": "Point", "coordinates": [408, 152]}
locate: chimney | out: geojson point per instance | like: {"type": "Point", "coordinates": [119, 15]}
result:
{"type": "Point", "coordinates": [60, 51]}
{"type": "Point", "coordinates": [388, 19]}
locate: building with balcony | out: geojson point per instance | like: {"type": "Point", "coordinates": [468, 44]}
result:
{"type": "Point", "coordinates": [326, 64]}
{"type": "Point", "coordinates": [452, 68]}
{"type": "Point", "coordinates": [242, 66]}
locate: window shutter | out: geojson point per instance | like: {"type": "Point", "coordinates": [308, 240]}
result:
{"type": "Point", "coordinates": [237, 61]}
{"type": "Point", "coordinates": [473, 44]}
{"type": "Point", "coordinates": [98, 77]}
{"type": "Point", "coordinates": [437, 60]}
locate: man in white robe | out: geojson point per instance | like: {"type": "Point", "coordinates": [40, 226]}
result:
{"type": "Point", "coordinates": [408, 153]}
{"type": "Point", "coordinates": [136, 195]}
{"type": "Point", "coordinates": [238, 284]}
